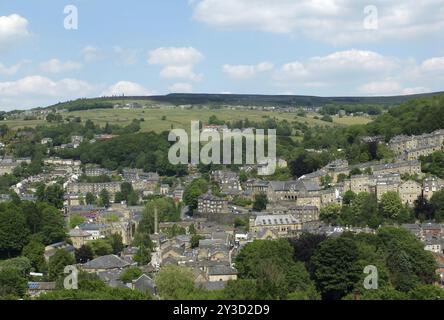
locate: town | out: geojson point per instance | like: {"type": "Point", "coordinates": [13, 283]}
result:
{"type": "Point", "coordinates": [128, 225]}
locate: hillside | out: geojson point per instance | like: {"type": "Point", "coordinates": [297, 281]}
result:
{"type": "Point", "coordinates": [249, 100]}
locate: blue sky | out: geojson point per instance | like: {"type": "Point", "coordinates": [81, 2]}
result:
{"type": "Point", "coordinates": [317, 47]}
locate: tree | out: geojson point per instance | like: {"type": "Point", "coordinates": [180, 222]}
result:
{"type": "Point", "coordinates": [58, 262]}
{"type": "Point", "coordinates": [260, 202]}
{"type": "Point", "coordinates": [54, 195]}
{"type": "Point", "coordinates": [116, 242]}
{"type": "Point", "coordinates": [331, 214]}
{"type": "Point", "coordinates": [423, 209]}
{"type": "Point", "coordinates": [193, 191]}
{"type": "Point", "coordinates": [304, 164]}
{"type": "Point", "coordinates": [305, 246]}
{"type": "Point", "coordinates": [427, 292]}
{"type": "Point", "coordinates": [348, 198]}
{"type": "Point", "coordinates": [275, 252]}
{"type": "Point", "coordinates": [53, 224]}
{"type": "Point", "coordinates": [101, 247]}
{"type": "Point", "coordinates": [175, 283]}
{"type": "Point", "coordinates": [13, 230]}
{"type": "Point", "coordinates": [407, 261]}
{"type": "Point", "coordinates": [385, 293]}
{"type": "Point", "coordinates": [34, 251]}
{"type": "Point", "coordinates": [391, 205]}
{"type": "Point", "coordinates": [90, 198]}
{"type": "Point", "coordinates": [335, 269]}
{"type": "Point", "coordinates": [76, 220]}
{"type": "Point", "coordinates": [130, 274]}
{"type": "Point", "coordinates": [300, 286]}
{"type": "Point", "coordinates": [195, 240]}
{"type": "Point", "coordinates": [437, 203]}
{"type": "Point", "coordinates": [241, 289]}
{"type": "Point", "coordinates": [12, 283]}
{"type": "Point", "coordinates": [143, 255]}
{"type": "Point", "coordinates": [84, 254]}
{"type": "Point", "coordinates": [104, 198]}
{"type": "Point", "coordinates": [365, 211]}
{"type": "Point", "coordinates": [326, 181]}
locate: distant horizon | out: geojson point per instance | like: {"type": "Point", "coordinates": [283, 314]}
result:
{"type": "Point", "coordinates": [323, 49]}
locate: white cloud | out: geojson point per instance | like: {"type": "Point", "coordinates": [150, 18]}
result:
{"type": "Point", "coordinates": [356, 72]}
{"type": "Point", "coordinates": [127, 88]}
{"type": "Point", "coordinates": [389, 88]}
{"type": "Point", "coordinates": [246, 71]}
{"type": "Point", "coordinates": [181, 88]}
{"type": "Point", "coordinates": [57, 66]}
{"type": "Point", "coordinates": [180, 72]}
{"type": "Point", "coordinates": [91, 53]}
{"type": "Point", "coordinates": [11, 70]}
{"type": "Point", "coordinates": [36, 90]}
{"type": "Point", "coordinates": [335, 21]}
{"type": "Point", "coordinates": [127, 56]}
{"type": "Point", "coordinates": [433, 64]}
{"type": "Point", "coordinates": [174, 56]}
{"type": "Point", "coordinates": [12, 28]}
{"type": "Point", "coordinates": [177, 62]}
{"type": "Point", "coordinates": [352, 64]}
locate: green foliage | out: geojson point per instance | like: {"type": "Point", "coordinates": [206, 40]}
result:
{"type": "Point", "coordinates": [175, 230]}
{"type": "Point", "coordinates": [14, 231]}
{"type": "Point", "coordinates": [53, 194]}
{"type": "Point", "coordinates": [104, 198]}
{"type": "Point", "coordinates": [194, 190]}
{"type": "Point", "coordinates": [90, 198]}
{"type": "Point", "coordinates": [407, 261]}
{"type": "Point", "coordinates": [304, 164]}
{"type": "Point", "coordinates": [127, 194]}
{"type": "Point", "coordinates": [260, 202]}
{"type": "Point", "coordinates": [437, 204]}
{"type": "Point", "coordinates": [76, 220]}
{"type": "Point", "coordinates": [427, 292]}
{"type": "Point", "coordinates": [241, 289]}
{"type": "Point", "coordinates": [58, 262]}
{"type": "Point", "coordinates": [331, 213]}
{"type": "Point", "coordinates": [433, 164]}
{"type": "Point", "coordinates": [143, 255]}
{"type": "Point", "coordinates": [34, 251]}
{"type": "Point", "coordinates": [335, 269]}
{"type": "Point", "coordinates": [92, 288]}
{"type": "Point", "coordinates": [175, 283]}
{"type": "Point", "coordinates": [270, 264]}
{"type": "Point", "coordinates": [242, 202]}
{"type": "Point", "coordinates": [84, 254]}
{"type": "Point", "coordinates": [12, 284]}
{"type": "Point", "coordinates": [101, 247]}
{"type": "Point", "coordinates": [195, 240]}
{"type": "Point", "coordinates": [147, 151]}
{"type": "Point", "coordinates": [130, 274]}
{"type": "Point", "coordinates": [116, 242]}
{"type": "Point", "coordinates": [391, 205]}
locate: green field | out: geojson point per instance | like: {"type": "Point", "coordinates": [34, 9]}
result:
{"type": "Point", "coordinates": [349, 121]}
{"type": "Point", "coordinates": [164, 119]}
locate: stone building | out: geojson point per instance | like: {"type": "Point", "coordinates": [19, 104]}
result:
{"type": "Point", "coordinates": [208, 204]}
{"type": "Point", "coordinates": [284, 225]}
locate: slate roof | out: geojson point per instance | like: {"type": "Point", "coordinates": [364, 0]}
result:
{"type": "Point", "coordinates": [221, 270]}
{"type": "Point", "coordinates": [106, 262]}
{"type": "Point", "coordinates": [145, 284]}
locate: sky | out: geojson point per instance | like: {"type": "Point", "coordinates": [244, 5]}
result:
{"type": "Point", "coordinates": [56, 50]}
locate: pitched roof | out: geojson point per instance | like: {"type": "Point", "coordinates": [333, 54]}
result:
{"type": "Point", "coordinates": [106, 262]}
{"type": "Point", "coordinates": [221, 270]}
{"type": "Point", "coordinates": [145, 284]}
